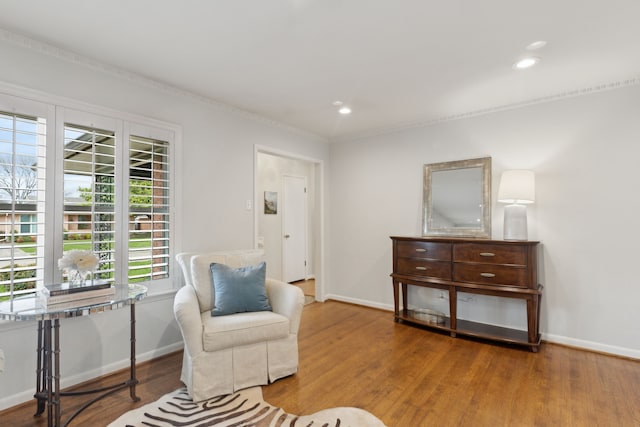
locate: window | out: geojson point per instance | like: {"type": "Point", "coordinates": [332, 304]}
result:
{"type": "Point", "coordinates": [22, 150]}
{"type": "Point", "coordinates": [28, 225]}
{"type": "Point", "coordinates": [108, 190]}
{"type": "Point", "coordinates": [148, 209]}
{"type": "Point", "coordinates": [90, 195]}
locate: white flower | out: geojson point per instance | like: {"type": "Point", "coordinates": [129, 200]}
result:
{"type": "Point", "coordinates": [75, 259]}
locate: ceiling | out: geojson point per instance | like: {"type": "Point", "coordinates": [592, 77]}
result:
{"type": "Point", "coordinates": [396, 63]}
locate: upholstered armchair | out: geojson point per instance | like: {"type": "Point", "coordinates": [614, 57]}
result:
{"type": "Point", "coordinates": [226, 353]}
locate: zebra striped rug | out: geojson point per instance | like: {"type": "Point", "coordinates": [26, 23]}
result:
{"type": "Point", "coordinates": [245, 408]}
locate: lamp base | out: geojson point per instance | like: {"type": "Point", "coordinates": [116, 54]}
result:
{"type": "Point", "coordinates": [515, 222]}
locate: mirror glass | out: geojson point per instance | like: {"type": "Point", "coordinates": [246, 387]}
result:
{"type": "Point", "coordinates": [457, 198]}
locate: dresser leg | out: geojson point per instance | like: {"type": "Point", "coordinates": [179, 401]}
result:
{"type": "Point", "coordinates": [453, 310]}
{"type": "Point", "coordinates": [532, 318]}
{"type": "Point", "coordinates": [404, 299]}
{"type": "Point", "coordinates": [396, 301]}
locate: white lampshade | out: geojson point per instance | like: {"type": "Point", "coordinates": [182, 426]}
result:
{"type": "Point", "coordinates": [517, 186]}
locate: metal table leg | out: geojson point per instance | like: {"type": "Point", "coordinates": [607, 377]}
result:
{"type": "Point", "coordinates": [40, 372]}
{"type": "Point", "coordinates": [48, 392]}
{"type": "Point", "coordinates": [56, 373]}
{"type": "Point", "coordinates": [132, 373]}
{"type": "Point", "coordinates": [48, 372]}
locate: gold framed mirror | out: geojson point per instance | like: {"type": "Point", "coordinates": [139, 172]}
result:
{"type": "Point", "coordinates": [457, 198]}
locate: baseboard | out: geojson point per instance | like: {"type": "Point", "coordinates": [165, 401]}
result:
{"type": "Point", "coordinates": [592, 346]}
{"type": "Point", "coordinates": [27, 395]}
{"type": "Point", "coordinates": [556, 339]}
{"type": "Point", "coordinates": [356, 301]}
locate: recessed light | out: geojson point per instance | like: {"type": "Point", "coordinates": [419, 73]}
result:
{"type": "Point", "coordinates": [526, 63]}
{"type": "Point", "coordinates": [338, 103]}
{"type": "Point", "coordinates": [537, 45]}
{"type": "Point", "coordinates": [344, 110]}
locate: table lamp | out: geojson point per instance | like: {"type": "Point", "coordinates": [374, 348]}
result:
{"type": "Point", "coordinates": [517, 189]}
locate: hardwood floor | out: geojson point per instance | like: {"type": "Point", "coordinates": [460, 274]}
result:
{"type": "Point", "coordinates": [356, 356]}
{"type": "Point", "coordinates": [157, 377]}
{"type": "Point", "coordinates": [308, 286]}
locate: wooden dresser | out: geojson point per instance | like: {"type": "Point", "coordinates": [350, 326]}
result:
{"type": "Point", "coordinates": [498, 268]}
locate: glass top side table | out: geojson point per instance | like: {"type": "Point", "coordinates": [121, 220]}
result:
{"type": "Point", "coordinates": [31, 308]}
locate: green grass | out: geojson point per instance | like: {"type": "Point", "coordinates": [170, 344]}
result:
{"type": "Point", "coordinates": [139, 267]}
{"type": "Point", "coordinates": [83, 245]}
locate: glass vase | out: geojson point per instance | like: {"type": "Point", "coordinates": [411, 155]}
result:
{"type": "Point", "coordinates": [76, 278]}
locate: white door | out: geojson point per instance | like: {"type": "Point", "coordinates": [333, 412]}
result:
{"type": "Point", "coordinates": [294, 228]}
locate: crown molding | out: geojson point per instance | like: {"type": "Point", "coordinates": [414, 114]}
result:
{"type": "Point", "coordinates": [480, 112]}
{"type": "Point", "coordinates": [91, 63]}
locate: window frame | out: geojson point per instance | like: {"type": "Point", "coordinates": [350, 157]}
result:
{"type": "Point", "coordinates": [57, 111]}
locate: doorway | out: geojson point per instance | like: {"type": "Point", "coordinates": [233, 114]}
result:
{"type": "Point", "coordinates": [283, 177]}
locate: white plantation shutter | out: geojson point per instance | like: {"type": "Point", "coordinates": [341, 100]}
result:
{"type": "Point", "coordinates": [89, 217]}
{"type": "Point", "coordinates": [22, 203]}
{"type": "Point", "coordinates": [149, 203]}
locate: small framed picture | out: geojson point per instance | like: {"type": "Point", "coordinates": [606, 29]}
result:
{"type": "Point", "coordinates": [270, 203]}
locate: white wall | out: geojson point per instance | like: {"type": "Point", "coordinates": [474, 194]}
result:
{"type": "Point", "coordinates": [216, 162]}
{"type": "Point", "coordinates": [585, 153]}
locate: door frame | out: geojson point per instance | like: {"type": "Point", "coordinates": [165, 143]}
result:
{"type": "Point", "coordinates": [317, 236]}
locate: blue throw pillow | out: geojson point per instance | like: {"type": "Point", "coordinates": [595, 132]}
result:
{"type": "Point", "coordinates": [239, 290]}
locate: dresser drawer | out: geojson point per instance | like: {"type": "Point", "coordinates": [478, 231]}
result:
{"type": "Point", "coordinates": [490, 254]}
{"type": "Point", "coordinates": [426, 268]}
{"type": "Point", "coordinates": [430, 250]}
{"type": "Point", "coordinates": [488, 274]}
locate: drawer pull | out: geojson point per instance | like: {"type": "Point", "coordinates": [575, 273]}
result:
{"type": "Point", "coordinates": [421, 268]}
{"type": "Point", "coordinates": [487, 254]}
{"type": "Point", "coordinates": [487, 275]}
{"type": "Point", "coordinates": [421, 250]}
